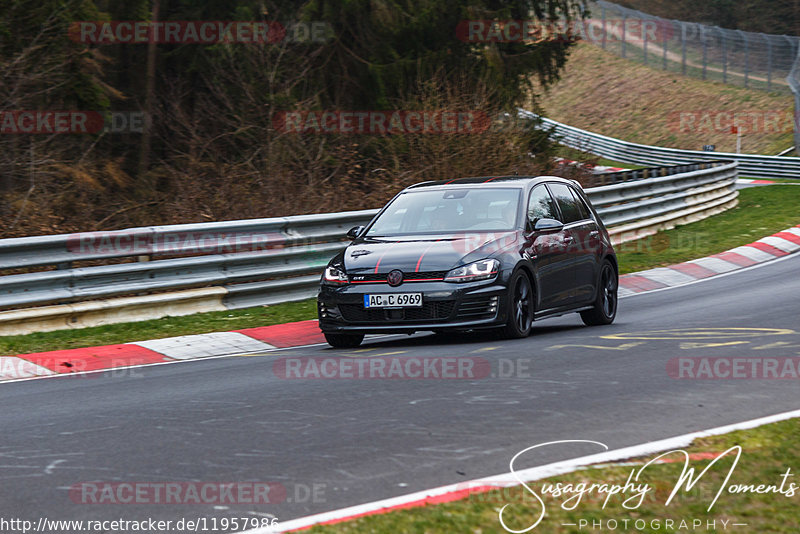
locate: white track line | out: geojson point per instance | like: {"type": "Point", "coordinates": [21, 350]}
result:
{"type": "Point", "coordinates": [527, 475]}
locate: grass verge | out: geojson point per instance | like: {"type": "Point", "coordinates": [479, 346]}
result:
{"type": "Point", "coordinates": [767, 452]}
{"type": "Point", "coordinates": [199, 323]}
{"type": "Point", "coordinates": [762, 211]}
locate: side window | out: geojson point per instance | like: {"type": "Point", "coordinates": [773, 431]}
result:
{"type": "Point", "coordinates": [567, 203]}
{"type": "Point", "coordinates": [541, 205]}
{"type": "Point", "coordinates": [582, 208]}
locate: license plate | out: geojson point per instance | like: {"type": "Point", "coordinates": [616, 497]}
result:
{"type": "Point", "coordinates": [393, 300]}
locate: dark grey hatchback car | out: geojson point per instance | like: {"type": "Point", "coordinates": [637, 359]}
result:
{"type": "Point", "coordinates": [470, 254]}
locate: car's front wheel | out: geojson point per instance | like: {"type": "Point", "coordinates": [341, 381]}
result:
{"type": "Point", "coordinates": [520, 307]}
{"type": "Point", "coordinates": [344, 341]}
{"type": "Point", "coordinates": [605, 305]}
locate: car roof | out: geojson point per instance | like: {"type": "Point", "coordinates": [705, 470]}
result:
{"type": "Point", "coordinates": [516, 182]}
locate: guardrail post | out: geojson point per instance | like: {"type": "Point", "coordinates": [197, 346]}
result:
{"type": "Point", "coordinates": [604, 27]}
{"type": "Point", "coordinates": [769, 61]}
{"type": "Point", "coordinates": [796, 121]}
{"type": "Point", "coordinates": [724, 57]}
{"type": "Point", "coordinates": [624, 21]}
{"type": "Point", "coordinates": [746, 42]}
{"type": "Point", "coordinates": [683, 47]}
{"type": "Point", "coordinates": [644, 31]}
{"type": "Point", "coordinates": [705, 50]}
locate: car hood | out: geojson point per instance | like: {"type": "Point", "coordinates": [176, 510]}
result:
{"type": "Point", "coordinates": [424, 253]}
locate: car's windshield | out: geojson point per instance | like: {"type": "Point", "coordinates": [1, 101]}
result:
{"type": "Point", "coordinates": [451, 210]}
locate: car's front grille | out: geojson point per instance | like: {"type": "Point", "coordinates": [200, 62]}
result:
{"type": "Point", "coordinates": [377, 278]}
{"type": "Point", "coordinates": [425, 275]}
{"type": "Point", "coordinates": [475, 308]}
{"type": "Point", "coordinates": [470, 309]}
{"type": "Point", "coordinates": [429, 311]}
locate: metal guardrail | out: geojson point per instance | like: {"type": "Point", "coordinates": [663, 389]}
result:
{"type": "Point", "coordinates": [227, 254]}
{"type": "Point", "coordinates": [264, 261]}
{"type": "Point", "coordinates": [176, 240]}
{"type": "Point", "coordinates": [755, 166]}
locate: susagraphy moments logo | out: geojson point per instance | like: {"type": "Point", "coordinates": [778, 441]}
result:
{"type": "Point", "coordinates": [637, 490]}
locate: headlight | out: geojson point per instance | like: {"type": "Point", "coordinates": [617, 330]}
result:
{"type": "Point", "coordinates": [479, 270]}
{"type": "Point", "coordinates": [334, 275]}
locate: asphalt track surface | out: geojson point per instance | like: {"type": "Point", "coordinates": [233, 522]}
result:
{"type": "Point", "coordinates": [232, 419]}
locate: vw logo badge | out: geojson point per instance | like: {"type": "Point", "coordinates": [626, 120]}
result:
{"type": "Point", "coordinates": [395, 278]}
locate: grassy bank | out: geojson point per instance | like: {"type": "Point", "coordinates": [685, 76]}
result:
{"type": "Point", "coordinates": [646, 102]}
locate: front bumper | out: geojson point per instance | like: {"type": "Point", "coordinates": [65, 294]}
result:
{"type": "Point", "coordinates": [445, 306]}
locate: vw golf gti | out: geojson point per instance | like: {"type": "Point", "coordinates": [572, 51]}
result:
{"type": "Point", "coordinates": [472, 254]}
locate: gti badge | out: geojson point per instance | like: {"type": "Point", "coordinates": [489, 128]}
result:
{"type": "Point", "coordinates": [395, 278]}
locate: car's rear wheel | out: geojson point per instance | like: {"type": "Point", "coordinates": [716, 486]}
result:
{"type": "Point", "coordinates": [344, 341]}
{"type": "Point", "coordinates": [605, 305]}
{"type": "Point", "coordinates": [520, 307]}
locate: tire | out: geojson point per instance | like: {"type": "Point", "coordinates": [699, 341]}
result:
{"type": "Point", "coordinates": [344, 341]}
{"type": "Point", "coordinates": [520, 307]}
{"type": "Point", "coordinates": [605, 305]}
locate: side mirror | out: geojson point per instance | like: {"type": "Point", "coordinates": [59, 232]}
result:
{"type": "Point", "coordinates": [354, 232]}
{"type": "Point", "coordinates": [548, 225]}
